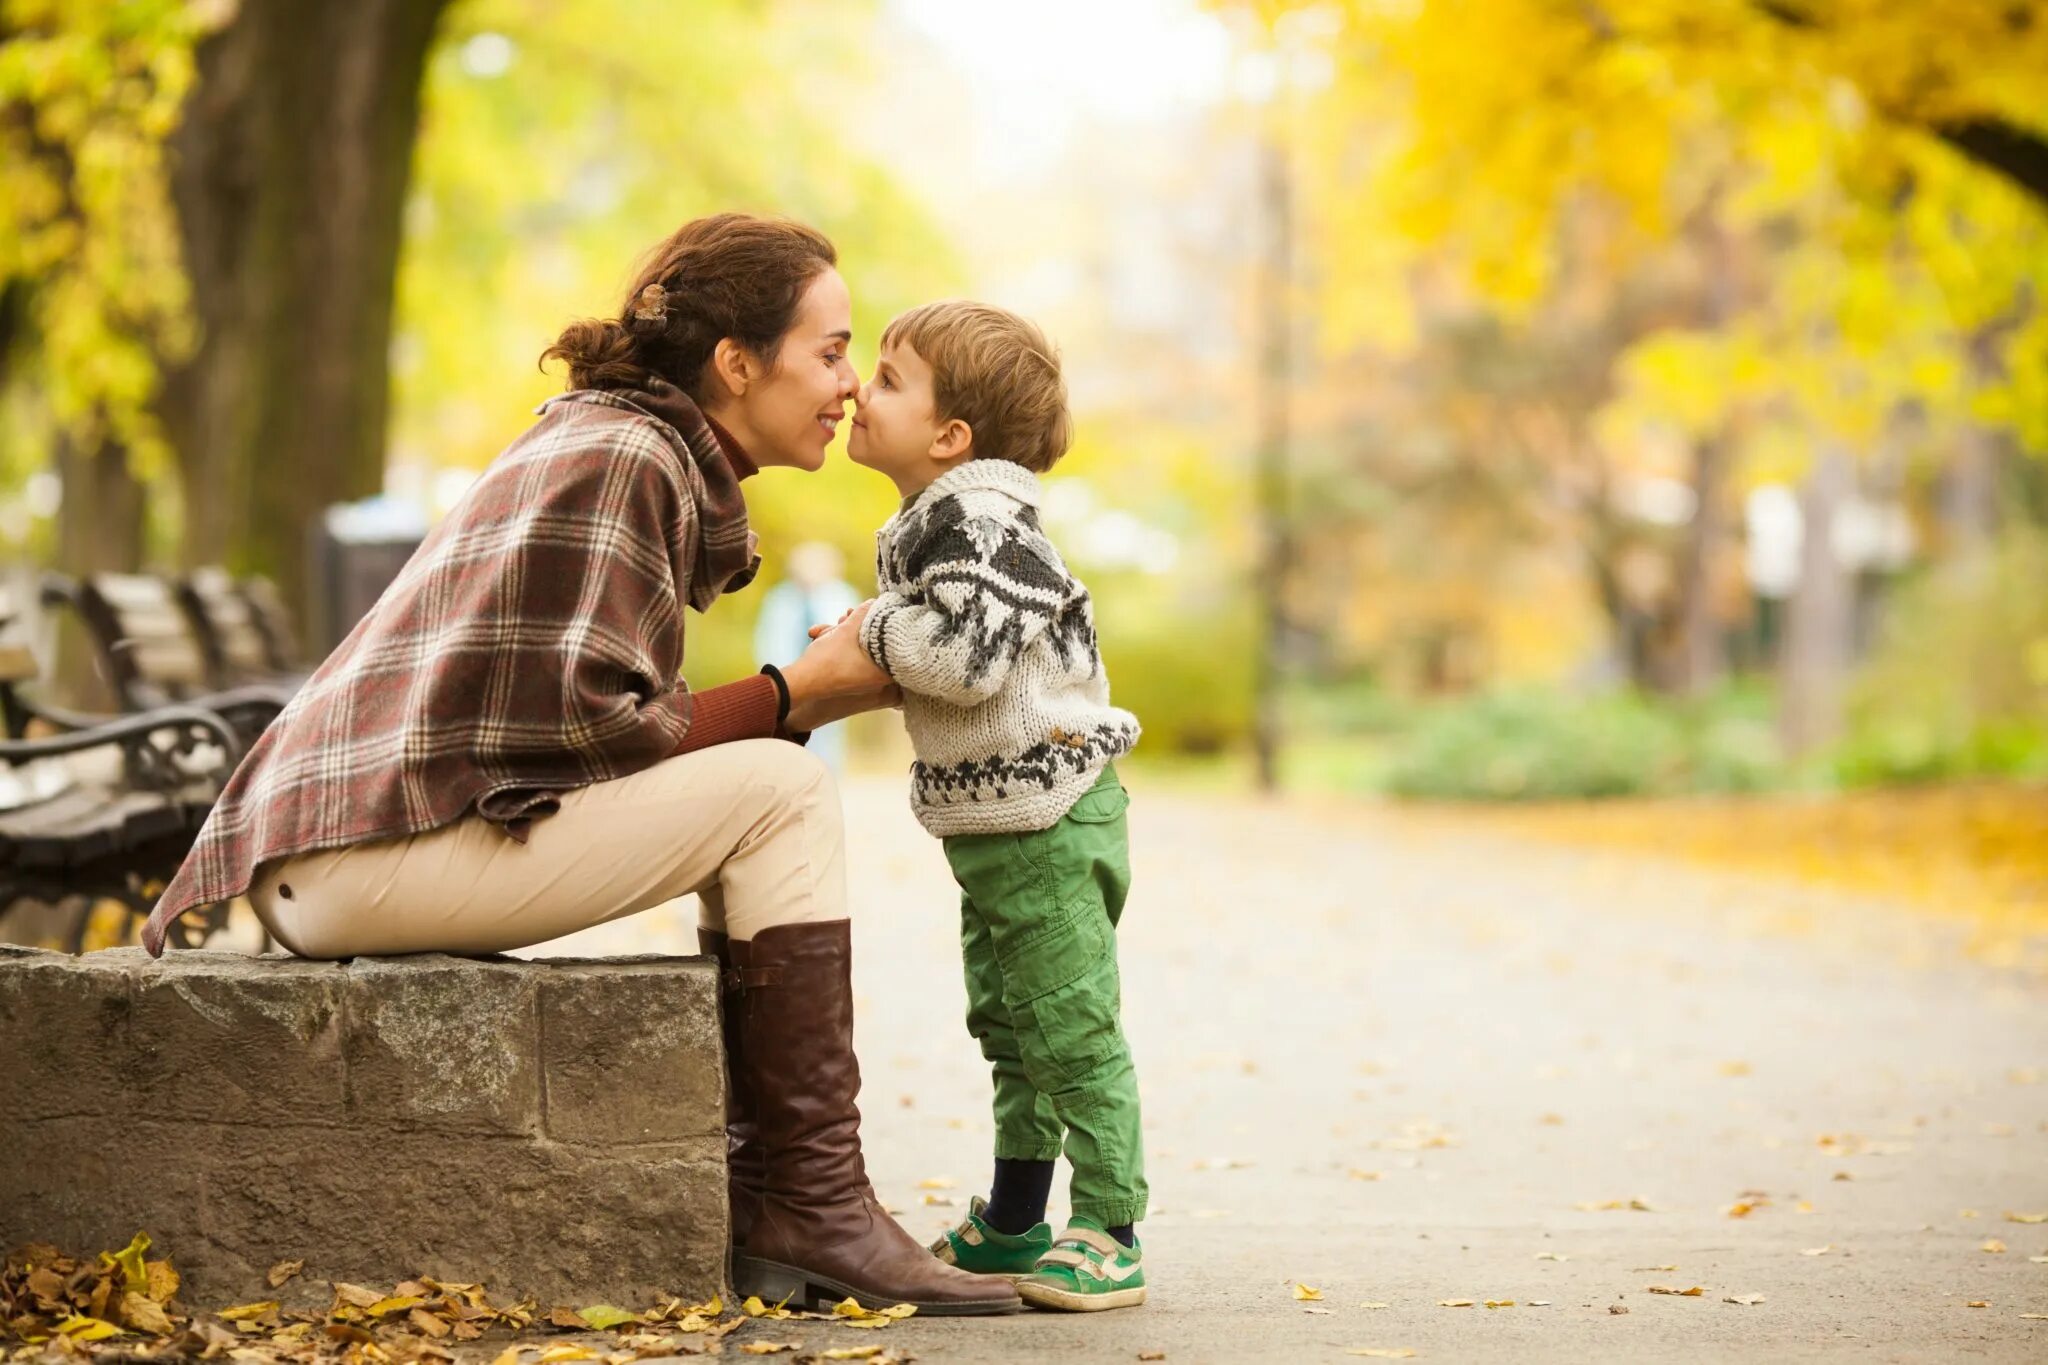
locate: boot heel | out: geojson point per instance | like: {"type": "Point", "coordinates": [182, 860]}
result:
{"type": "Point", "coordinates": [774, 1284]}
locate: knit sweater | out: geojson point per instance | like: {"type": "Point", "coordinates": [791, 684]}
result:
{"type": "Point", "coordinates": [993, 643]}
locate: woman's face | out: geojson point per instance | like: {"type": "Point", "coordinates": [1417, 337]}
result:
{"type": "Point", "coordinates": [788, 416]}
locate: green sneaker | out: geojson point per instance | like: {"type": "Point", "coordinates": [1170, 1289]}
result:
{"type": "Point", "coordinates": [1086, 1271]}
{"type": "Point", "coordinates": [975, 1246]}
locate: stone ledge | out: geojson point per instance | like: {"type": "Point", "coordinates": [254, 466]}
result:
{"type": "Point", "coordinates": [552, 1128]}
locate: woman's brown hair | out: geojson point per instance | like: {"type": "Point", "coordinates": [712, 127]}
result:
{"type": "Point", "coordinates": [729, 275]}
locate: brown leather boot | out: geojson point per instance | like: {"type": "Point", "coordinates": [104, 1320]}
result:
{"type": "Point", "coordinates": [820, 1235]}
{"type": "Point", "coordinates": [744, 1163]}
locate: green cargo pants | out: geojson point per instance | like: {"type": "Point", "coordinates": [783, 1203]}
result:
{"type": "Point", "coordinates": [1038, 917]}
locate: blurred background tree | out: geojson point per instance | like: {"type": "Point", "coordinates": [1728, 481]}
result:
{"type": "Point", "coordinates": [1520, 398]}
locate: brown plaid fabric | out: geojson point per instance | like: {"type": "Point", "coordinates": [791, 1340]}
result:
{"type": "Point", "coordinates": [531, 646]}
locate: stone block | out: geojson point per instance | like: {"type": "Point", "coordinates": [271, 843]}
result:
{"type": "Point", "coordinates": [630, 1051]}
{"type": "Point", "coordinates": [379, 1119]}
{"type": "Point", "coordinates": [66, 1045]}
{"type": "Point", "coordinates": [443, 1042]}
{"type": "Point", "coordinates": [230, 1038]}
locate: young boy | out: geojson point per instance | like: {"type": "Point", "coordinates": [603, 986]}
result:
{"type": "Point", "coordinates": [993, 644]}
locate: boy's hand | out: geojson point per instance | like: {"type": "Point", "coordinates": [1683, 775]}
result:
{"type": "Point", "coordinates": [860, 610]}
{"type": "Point", "coordinates": [835, 678]}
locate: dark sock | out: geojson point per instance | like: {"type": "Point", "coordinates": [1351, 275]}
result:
{"type": "Point", "coordinates": [1125, 1233]}
{"type": "Point", "coordinates": [1016, 1201]}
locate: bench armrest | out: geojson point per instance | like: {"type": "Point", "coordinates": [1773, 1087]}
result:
{"type": "Point", "coordinates": [149, 764]}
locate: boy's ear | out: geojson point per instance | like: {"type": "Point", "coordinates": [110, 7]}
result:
{"type": "Point", "coordinates": [954, 440]}
{"type": "Point", "coordinates": [733, 366]}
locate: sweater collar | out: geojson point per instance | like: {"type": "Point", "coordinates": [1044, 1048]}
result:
{"type": "Point", "coordinates": [742, 463]}
{"type": "Point", "coordinates": [990, 475]}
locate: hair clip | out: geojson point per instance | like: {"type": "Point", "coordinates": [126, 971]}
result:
{"type": "Point", "coordinates": [651, 304]}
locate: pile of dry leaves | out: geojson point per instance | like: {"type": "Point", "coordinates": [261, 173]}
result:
{"type": "Point", "coordinates": [122, 1307]}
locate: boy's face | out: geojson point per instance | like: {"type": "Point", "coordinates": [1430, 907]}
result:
{"type": "Point", "coordinates": [896, 430]}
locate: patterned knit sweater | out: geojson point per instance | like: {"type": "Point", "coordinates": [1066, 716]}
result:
{"type": "Point", "coordinates": [993, 644]}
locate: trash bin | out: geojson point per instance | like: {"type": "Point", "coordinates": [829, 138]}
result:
{"type": "Point", "coordinates": [357, 550]}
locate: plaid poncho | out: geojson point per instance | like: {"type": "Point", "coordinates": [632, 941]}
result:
{"type": "Point", "coordinates": [532, 645]}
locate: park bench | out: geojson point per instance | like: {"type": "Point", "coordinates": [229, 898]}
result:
{"type": "Point", "coordinates": [244, 632]}
{"type": "Point", "coordinates": [549, 1128]}
{"type": "Point", "coordinates": [152, 656]}
{"type": "Point", "coordinates": [97, 808]}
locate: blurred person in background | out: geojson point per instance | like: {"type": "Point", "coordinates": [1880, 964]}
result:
{"type": "Point", "coordinates": [815, 593]}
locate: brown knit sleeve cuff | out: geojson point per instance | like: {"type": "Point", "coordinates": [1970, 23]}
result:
{"type": "Point", "coordinates": [747, 709]}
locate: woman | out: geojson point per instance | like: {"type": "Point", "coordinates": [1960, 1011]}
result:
{"type": "Point", "coordinates": [501, 752]}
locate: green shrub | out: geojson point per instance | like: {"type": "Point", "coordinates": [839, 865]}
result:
{"type": "Point", "coordinates": [1549, 745]}
{"type": "Point", "coordinates": [1958, 685]}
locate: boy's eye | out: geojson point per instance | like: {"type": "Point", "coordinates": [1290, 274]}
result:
{"type": "Point", "coordinates": [834, 359]}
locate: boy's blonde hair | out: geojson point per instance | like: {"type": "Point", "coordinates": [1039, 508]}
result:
{"type": "Point", "coordinates": [997, 373]}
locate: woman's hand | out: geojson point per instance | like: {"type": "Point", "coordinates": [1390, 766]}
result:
{"type": "Point", "coordinates": [834, 678]}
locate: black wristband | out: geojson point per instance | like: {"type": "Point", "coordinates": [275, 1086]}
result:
{"type": "Point", "coordinates": [781, 695]}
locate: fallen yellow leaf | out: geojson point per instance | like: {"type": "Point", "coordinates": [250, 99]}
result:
{"type": "Point", "coordinates": [1691, 1293]}
{"type": "Point", "coordinates": [554, 1354]}
{"type": "Point", "coordinates": [1552, 1256]}
{"type": "Point", "coordinates": [1454, 1303]}
{"type": "Point", "coordinates": [129, 1259]}
{"type": "Point", "coordinates": [937, 1182]}
{"type": "Point", "coordinates": [383, 1308]}
{"type": "Point", "coordinates": [2012, 1217]}
{"type": "Point", "coordinates": [1357, 1174]}
{"type": "Point", "coordinates": [144, 1314]}
{"type": "Point", "coordinates": [1500, 1303]}
{"type": "Point", "coordinates": [354, 1295]}
{"type": "Point", "coordinates": [163, 1280]}
{"type": "Point", "coordinates": [605, 1316]}
{"type": "Point", "coordinates": [284, 1270]}
{"type": "Point", "coordinates": [1734, 1068]}
{"type": "Point", "coordinates": [1306, 1293]}
{"type": "Point", "coordinates": [852, 1353]}
{"type": "Point", "coordinates": [1748, 1300]}
{"type": "Point", "coordinates": [510, 1355]}
{"type": "Point", "coordinates": [1978, 1303]}
{"type": "Point", "coordinates": [78, 1327]}
{"type": "Point", "coordinates": [248, 1312]}
{"type": "Point", "coordinates": [768, 1348]}
{"type": "Point", "coordinates": [1818, 1251]}
{"type": "Point", "coordinates": [1992, 1246]}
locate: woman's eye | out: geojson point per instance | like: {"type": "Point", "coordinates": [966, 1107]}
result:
{"type": "Point", "coordinates": [833, 360]}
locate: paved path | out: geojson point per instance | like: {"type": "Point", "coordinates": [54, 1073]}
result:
{"type": "Point", "coordinates": [1389, 1056]}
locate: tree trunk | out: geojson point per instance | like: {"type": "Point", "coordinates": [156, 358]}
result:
{"type": "Point", "coordinates": [1275, 515]}
{"type": "Point", "coordinates": [99, 530]}
{"type": "Point", "coordinates": [289, 172]}
{"type": "Point", "coordinates": [1820, 627]}
{"type": "Point", "coordinates": [1702, 659]}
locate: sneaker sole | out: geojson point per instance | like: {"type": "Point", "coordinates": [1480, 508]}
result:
{"type": "Point", "coordinates": [775, 1282]}
{"type": "Point", "coordinates": [1045, 1296]}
